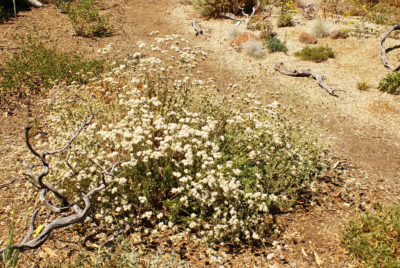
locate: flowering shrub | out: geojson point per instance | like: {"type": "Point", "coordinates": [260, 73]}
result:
{"type": "Point", "coordinates": [217, 165]}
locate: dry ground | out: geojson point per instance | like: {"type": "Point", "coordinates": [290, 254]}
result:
{"type": "Point", "coordinates": [362, 127]}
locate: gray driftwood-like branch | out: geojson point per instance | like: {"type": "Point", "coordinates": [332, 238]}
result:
{"type": "Point", "coordinates": [280, 67]}
{"type": "Point", "coordinates": [384, 58]}
{"type": "Point", "coordinates": [197, 28]}
{"type": "Point", "coordinates": [248, 17]}
{"type": "Point", "coordinates": [78, 214]}
{"type": "Point", "coordinates": [34, 3]}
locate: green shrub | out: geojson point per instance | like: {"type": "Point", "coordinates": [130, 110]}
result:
{"type": "Point", "coordinates": [191, 158]}
{"type": "Point", "coordinates": [391, 84]}
{"type": "Point", "coordinates": [276, 45]}
{"type": "Point", "coordinates": [373, 238]}
{"type": "Point", "coordinates": [215, 8]}
{"type": "Point", "coordinates": [86, 20]}
{"type": "Point", "coordinates": [36, 66]}
{"type": "Point", "coordinates": [316, 54]}
{"type": "Point", "coordinates": [285, 19]}
{"type": "Point", "coordinates": [257, 23]}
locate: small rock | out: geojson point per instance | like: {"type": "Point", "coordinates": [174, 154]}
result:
{"type": "Point", "coordinates": [338, 34]}
{"type": "Point", "coordinates": [270, 256]}
{"type": "Point", "coordinates": [307, 38]}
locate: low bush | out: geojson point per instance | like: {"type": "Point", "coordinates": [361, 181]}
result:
{"type": "Point", "coordinates": [191, 159]}
{"type": "Point", "coordinates": [257, 23]}
{"type": "Point", "coordinates": [315, 54]}
{"type": "Point", "coordinates": [276, 45]}
{"type": "Point", "coordinates": [215, 8]}
{"type": "Point", "coordinates": [285, 19]}
{"type": "Point", "coordinates": [391, 84]}
{"type": "Point", "coordinates": [36, 66]}
{"type": "Point", "coordinates": [86, 20]}
{"type": "Point", "coordinates": [373, 238]}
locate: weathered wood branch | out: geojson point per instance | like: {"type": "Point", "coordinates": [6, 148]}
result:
{"type": "Point", "coordinates": [248, 17]}
{"type": "Point", "coordinates": [280, 67]}
{"type": "Point", "coordinates": [197, 28]}
{"type": "Point", "coordinates": [78, 214]}
{"type": "Point", "coordinates": [384, 51]}
{"type": "Point", "coordinates": [34, 3]}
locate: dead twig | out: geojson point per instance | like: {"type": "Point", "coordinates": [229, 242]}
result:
{"type": "Point", "coordinates": [280, 67]}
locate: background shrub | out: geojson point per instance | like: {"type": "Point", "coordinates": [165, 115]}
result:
{"type": "Point", "coordinates": [285, 19]}
{"type": "Point", "coordinates": [214, 8]}
{"type": "Point", "coordinates": [316, 54]}
{"type": "Point", "coordinates": [276, 45]}
{"type": "Point", "coordinates": [86, 20]}
{"type": "Point", "coordinates": [391, 84]}
{"type": "Point", "coordinates": [36, 66]}
{"type": "Point", "coordinates": [373, 238]}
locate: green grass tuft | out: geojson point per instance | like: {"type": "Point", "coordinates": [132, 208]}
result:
{"type": "Point", "coordinates": [315, 54]}
{"type": "Point", "coordinates": [374, 238]}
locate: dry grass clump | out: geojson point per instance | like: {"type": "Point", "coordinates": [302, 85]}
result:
{"type": "Point", "coordinates": [321, 28]}
{"type": "Point", "coordinates": [233, 33]}
{"type": "Point", "coordinates": [254, 48]}
{"type": "Point", "coordinates": [362, 85]}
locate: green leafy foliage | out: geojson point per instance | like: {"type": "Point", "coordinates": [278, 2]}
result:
{"type": "Point", "coordinates": [373, 238]}
{"type": "Point", "coordinates": [10, 255]}
{"type": "Point", "coordinates": [391, 84]}
{"type": "Point", "coordinates": [315, 54]}
{"type": "Point", "coordinates": [86, 20]}
{"type": "Point", "coordinates": [35, 66]}
{"type": "Point", "coordinates": [276, 45]}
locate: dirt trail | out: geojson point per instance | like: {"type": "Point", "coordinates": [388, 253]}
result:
{"type": "Point", "coordinates": [362, 127]}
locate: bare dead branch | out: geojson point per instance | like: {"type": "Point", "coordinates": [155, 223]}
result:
{"type": "Point", "coordinates": [10, 182]}
{"type": "Point", "coordinates": [384, 58]}
{"type": "Point", "coordinates": [34, 3]}
{"type": "Point", "coordinates": [248, 17]}
{"type": "Point", "coordinates": [197, 28]}
{"type": "Point", "coordinates": [280, 67]}
{"type": "Point", "coordinates": [79, 214]}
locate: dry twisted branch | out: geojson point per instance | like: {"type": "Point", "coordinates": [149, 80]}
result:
{"type": "Point", "coordinates": [280, 67]}
{"type": "Point", "coordinates": [384, 58]}
{"type": "Point", "coordinates": [79, 214]}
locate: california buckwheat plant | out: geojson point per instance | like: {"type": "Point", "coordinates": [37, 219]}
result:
{"type": "Point", "coordinates": [190, 158]}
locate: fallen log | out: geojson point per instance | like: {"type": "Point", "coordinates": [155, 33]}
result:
{"type": "Point", "coordinates": [384, 58]}
{"type": "Point", "coordinates": [280, 67]}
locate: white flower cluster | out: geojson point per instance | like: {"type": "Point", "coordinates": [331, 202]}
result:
{"type": "Point", "coordinates": [189, 157]}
